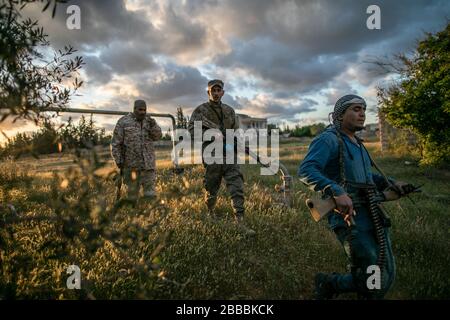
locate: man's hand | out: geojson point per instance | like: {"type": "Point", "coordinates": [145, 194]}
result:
{"type": "Point", "coordinates": [344, 206]}
{"type": "Point", "coordinates": [403, 188]}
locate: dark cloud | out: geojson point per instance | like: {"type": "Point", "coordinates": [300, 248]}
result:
{"type": "Point", "coordinates": [309, 27]}
{"type": "Point", "coordinates": [173, 87]}
{"type": "Point", "coordinates": [306, 44]}
{"type": "Point", "coordinates": [325, 26]}
{"type": "Point", "coordinates": [127, 59]}
{"type": "Point", "coordinates": [107, 21]}
{"type": "Point", "coordinates": [290, 110]}
{"type": "Point", "coordinates": [283, 67]}
{"type": "Point", "coordinates": [230, 100]}
{"type": "Point", "coordinates": [180, 34]}
{"type": "Point", "coordinates": [278, 50]}
{"type": "Point", "coordinates": [96, 70]}
{"type": "Point", "coordinates": [102, 21]}
{"type": "Point", "coordinates": [339, 89]}
{"type": "Point", "coordinates": [268, 107]}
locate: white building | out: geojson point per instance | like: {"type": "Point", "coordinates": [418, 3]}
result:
{"type": "Point", "coordinates": [247, 122]}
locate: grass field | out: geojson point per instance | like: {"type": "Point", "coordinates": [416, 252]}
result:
{"type": "Point", "coordinates": [60, 210]}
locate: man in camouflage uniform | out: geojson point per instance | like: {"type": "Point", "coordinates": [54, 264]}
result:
{"type": "Point", "coordinates": [133, 151]}
{"type": "Point", "coordinates": [224, 117]}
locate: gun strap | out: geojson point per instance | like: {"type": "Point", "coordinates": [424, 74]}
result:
{"type": "Point", "coordinates": [341, 160]}
{"type": "Point", "coordinates": [377, 167]}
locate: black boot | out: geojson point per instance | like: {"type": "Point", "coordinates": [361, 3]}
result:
{"type": "Point", "coordinates": [211, 203]}
{"type": "Point", "coordinates": [324, 289]}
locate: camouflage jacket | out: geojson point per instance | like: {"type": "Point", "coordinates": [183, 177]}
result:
{"type": "Point", "coordinates": [222, 115]}
{"type": "Point", "coordinates": [132, 142]}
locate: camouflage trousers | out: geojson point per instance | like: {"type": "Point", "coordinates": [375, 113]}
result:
{"type": "Point", "coordinates": [234, 183]}
{"type": "Point", "coordinates": [134, 179]}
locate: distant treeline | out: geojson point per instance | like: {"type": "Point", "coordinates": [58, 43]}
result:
{"type": "Point", "coordinates": [50, 138]}
{"type": "Point", "coordinates": [301, 131]}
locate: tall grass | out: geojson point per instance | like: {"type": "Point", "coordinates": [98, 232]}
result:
{"type": "Point", "coordinates": [171, 249]}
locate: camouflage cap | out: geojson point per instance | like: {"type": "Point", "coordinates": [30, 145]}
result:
{"type": "Point", "coordinates": [215, 82]}
{"type": "Point", "coordinates": [140, 103]}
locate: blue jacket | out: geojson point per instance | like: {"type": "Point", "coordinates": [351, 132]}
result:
{"type": "Point", "coordinates": [320, 171]}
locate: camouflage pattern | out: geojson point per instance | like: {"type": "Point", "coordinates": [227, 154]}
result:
{"type": "Point", "coordinates": [215, 172]}
{"type": "Point", "coordinates": [212, 111]}
{"type": "Point", "coordinates": [234, 183]}
{"type": "Point", "coordinates": [132, 149]}
{"type": "Point", "coordinates": [134, 179]}
{"type": "Point", "coordinates": [215, 82]}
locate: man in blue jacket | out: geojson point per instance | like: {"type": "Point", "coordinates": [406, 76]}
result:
{"type": "Point", "coordinates": [338, 165]}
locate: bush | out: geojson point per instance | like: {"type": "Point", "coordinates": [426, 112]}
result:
{"type": "Point", "coordinates": [420, 100]}
{"type": "Point", "coordinates": [50, 139]}
{"type": "Point", "coordinates": [47, 225]}
{"type": "Point", "coordinates": [30, 80]}
{"type": "Point", "coordinates": [307, 131]}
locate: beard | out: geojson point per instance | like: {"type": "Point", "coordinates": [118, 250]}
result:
{"type": "Point", "coordinates": [140, 117]}
{"type": "Point", "coordinates": [217, 99]}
